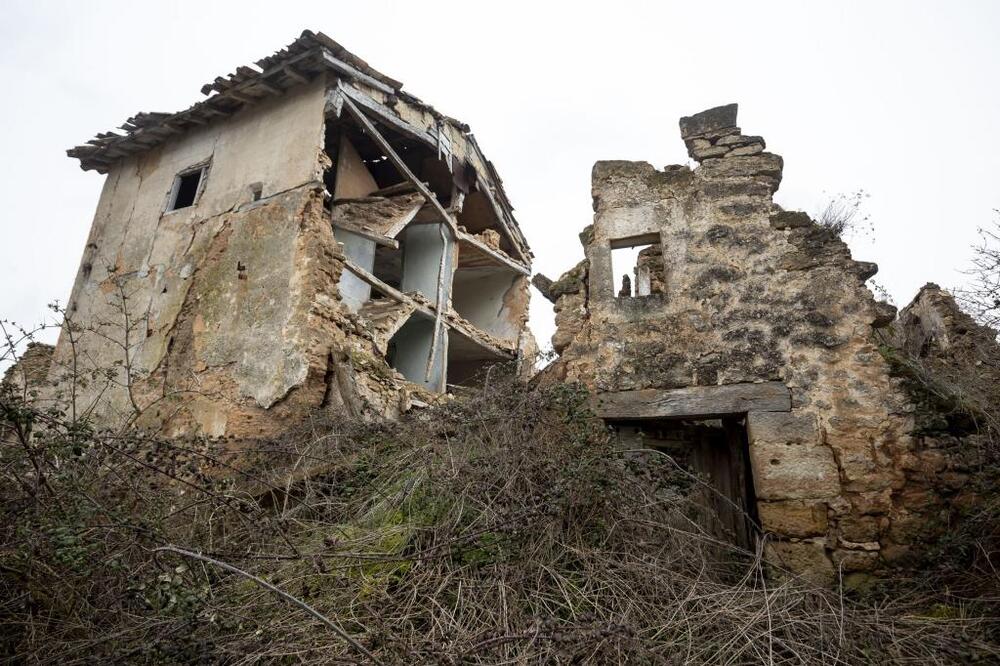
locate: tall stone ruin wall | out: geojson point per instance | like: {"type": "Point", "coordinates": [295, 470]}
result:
{"type": "Point", "coordinates": [750, 294]}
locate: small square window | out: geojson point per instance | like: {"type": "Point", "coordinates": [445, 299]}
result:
{"type": "Point", "coordinates": [187, 186]}
{"type": "Point", "coordinates": [636, 266]}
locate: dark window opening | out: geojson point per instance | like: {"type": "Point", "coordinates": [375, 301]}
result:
{"type": "Point", "coordinates": [186, 187]}
{"type": "Point", "coordinates": [388, 265]}
{"type": "Point", "coordinates": [716, 453]}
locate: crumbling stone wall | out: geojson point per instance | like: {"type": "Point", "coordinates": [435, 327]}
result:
{"type": "Point", "coordinates": [750, 294]}
{"type": "Point", "coordinates": [30, 371]}
{"type": "Point", "coordinates": [949, 367]}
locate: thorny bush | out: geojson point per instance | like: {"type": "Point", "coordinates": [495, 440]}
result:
{"type": "Point", "coordinates": [502, 527]}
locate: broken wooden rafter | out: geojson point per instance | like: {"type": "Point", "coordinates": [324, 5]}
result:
{"type": "Point", "coordinates": [384, 288]}
{"type": "Point", "coordinates": [503, 213]}
{"type": "Point", "coordinates": [399, 188]}
{"type": "Point", "coordinates": [343, 68]}
{"type": "Point", "coordinates": [378, 239]}
{"type": "Point", "coordinates": [384, 114]}
{"type": "Point", "coordinates": [452, 321]}
{"type": "Point", "coordinates": [398, 162]}
{"type": "Point", "coordinates": [294, 74]}
{"type": "Point", "coordinates": [484, 187]}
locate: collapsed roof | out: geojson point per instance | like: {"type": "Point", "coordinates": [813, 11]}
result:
{"type": "Point", "coordinates": [298, 63]}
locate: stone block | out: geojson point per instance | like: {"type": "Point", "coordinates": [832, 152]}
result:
{"type": "Point", "coordinates": [794, 518]}
{"type": "Point", "coordinates": [806, 558]}
{"type": "Point", "coordinates": [793, 471]}
{"type": "Point", "coordinates": [872, 502]}
{"type": "Point", "coordinates": [862, 472]}
{"type": "Point", "coordinates": [740, 140]}
{"type": "Point", "coordinates": [705, 153]}
{"type": "Point", "coordinates": [790, 219]}
{"type": "Point", "coordinates": [861, 528]}
{"type": "Point", "coordinates": [865, 269]}
{"type": "Point", "coordinates": [798, 261]}
{"type": "Point", "coordinates": [709, 121]}
{"type": "Point", "coordinates": [883, 314]}
{"type": "Point", "coordinates": [907, 528]}
{"type": "Point", "coordinates": [855, 560]}
{"type": "Point", "coordinates": [782, 427]}
{"type": "Point", "coordinates": [752, 149]}
{"type": "Point", "coordinates": [765, 167]}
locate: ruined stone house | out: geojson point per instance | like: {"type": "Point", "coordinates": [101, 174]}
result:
{"type": "Point", "coordinates": [748, 345]}
{"type": "Point", "coordinates": [307, 237]}
{"type": "Point", "coordinates": [310, 238]}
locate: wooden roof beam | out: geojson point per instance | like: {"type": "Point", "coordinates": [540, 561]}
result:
{"type": "Point", "coordinates": [398, 162]}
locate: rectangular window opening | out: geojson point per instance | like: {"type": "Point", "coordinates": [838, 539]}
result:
{"type": "Point", "coordinates": [186, 188]}
{"type": "Point", "coordinates": [637, 266]}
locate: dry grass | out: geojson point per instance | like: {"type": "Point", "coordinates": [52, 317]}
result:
{"type": "Point", "coordinates": [503, 528]}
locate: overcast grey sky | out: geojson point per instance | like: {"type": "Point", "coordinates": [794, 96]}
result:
{"type": "Point", "coordinates": [898, 98]}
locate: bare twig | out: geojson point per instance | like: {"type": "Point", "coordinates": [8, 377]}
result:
{"type": "Point", "coordinates": [281, 593]}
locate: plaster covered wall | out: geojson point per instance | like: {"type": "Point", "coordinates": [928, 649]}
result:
{"type": "Point", "coordinates": [354, 291]}
{"type": "Point", "coordinates": [428, 252]}
{"type": "Point", "coordinates": [490, 300]}
{"type": "Point", "coordinates": [753, 294]}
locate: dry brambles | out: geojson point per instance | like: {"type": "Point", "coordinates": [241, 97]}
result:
{"type": "Point", "coordinates": [503, 527]}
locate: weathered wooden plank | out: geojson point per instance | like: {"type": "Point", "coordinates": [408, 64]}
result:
{"type": "Point", "coordinates": [389, 291]}
{"type": "Point", "coordinates": [241, 96]}
{"type": "Point", "coordinates": [378, 239]}
{"type": "Point", "coordinates": [344, 68]}
{"type": "Point", "coordinates": [384, 114]}
{"type": "Point", "coordinates": [499, 257]}
{"type": "Point", "coordinates": [270, 88]}
{"type": "Point", "coordinates": [696, 401]}
{"type": "Point", "coordinates": [399, 188]}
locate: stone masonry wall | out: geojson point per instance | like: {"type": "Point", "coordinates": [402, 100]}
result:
{"type": "Point", "coordinates": [752, 293]}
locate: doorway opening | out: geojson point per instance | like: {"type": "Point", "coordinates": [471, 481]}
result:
{"type": "Point", "coordinates": [716, 450]}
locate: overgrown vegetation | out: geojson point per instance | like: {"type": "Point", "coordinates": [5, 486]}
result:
{"type": "Point", "coordinates": [844, 215]}
{"type": "Point", "coordinates": [504, 527]}
{"type": "Point", "coordinates": [981, 297]}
